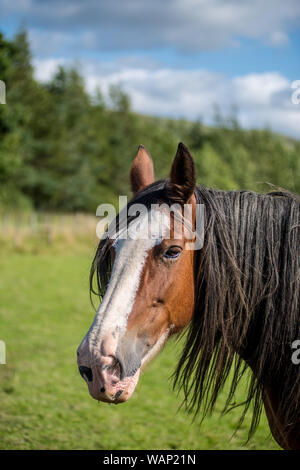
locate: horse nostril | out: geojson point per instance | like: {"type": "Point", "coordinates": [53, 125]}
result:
{"type": "Point", "coordinates": [119, 393]}
{"type": "Point", "coordinates": [86, 372]}
{"type": "Point", "coordinates": [102, 390]}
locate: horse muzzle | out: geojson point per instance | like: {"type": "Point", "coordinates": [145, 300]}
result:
{"type": "Point", "coordinates": [105, 385]}
{"type": "Point", "coordinates": [111, 370]}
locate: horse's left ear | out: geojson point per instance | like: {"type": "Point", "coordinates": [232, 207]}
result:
{"type": "Point", "coordinates": [142, 170]}
{"type": "Point", "coordinates": [182, 181]}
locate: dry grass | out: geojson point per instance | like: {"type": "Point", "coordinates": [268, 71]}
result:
{"type": "Point", "coordinates": [34, 232]}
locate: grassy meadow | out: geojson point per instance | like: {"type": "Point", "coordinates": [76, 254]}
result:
{"type": "Point", "coordinates": [44, 313]}
{"type": "Point", "coordinates": [63, 152]}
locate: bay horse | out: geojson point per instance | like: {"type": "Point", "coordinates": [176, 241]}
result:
{"type": "Point", "coordinates": [236, 299]}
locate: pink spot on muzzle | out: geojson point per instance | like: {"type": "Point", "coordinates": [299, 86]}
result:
{"type": "Point", "coordinates": [108, 387]}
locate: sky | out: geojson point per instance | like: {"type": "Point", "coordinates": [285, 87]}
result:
{"type": "Point", "coordinates": [175, 58]}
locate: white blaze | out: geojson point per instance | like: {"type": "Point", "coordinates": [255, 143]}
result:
{"type": "Point", "coordinates": [143, 234]}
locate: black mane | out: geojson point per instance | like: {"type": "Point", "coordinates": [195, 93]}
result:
{"type": "Point", "coordinates": [247, 299]}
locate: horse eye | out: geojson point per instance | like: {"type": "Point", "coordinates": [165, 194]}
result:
{"type": "Point", "coordinates": [172, 252]}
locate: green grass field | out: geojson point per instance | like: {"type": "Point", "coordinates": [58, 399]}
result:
{"type": "Point", "coordinates": [44, 313]}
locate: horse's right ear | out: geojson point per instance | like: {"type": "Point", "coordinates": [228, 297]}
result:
{"type": "Point", "coordinates": [141, 171]}
{"type": "Point", "coordinates": [182, 181]}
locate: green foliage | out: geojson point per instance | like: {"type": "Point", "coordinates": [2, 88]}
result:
{"type": "Point", "coordinates": [63, 150]}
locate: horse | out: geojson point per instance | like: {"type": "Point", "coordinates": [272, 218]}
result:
{"type": "Point", "coordinates": [235, 300]}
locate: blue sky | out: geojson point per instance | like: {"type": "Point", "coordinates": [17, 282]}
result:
{"type": "Point", "coordinates": [175, 58]}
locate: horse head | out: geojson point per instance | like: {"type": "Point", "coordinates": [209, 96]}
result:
{"type": "Point", "coordinates": [149, 295]}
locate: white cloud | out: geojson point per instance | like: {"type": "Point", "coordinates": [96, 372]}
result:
{"type": "Point", "coordinates": [45, 69]}
{"type": "Point", "coordinates": [278, 38]}
{"type": "Point", "coordinates": [261, 99]}
{"type": "Point", "coordinates": [189, 25]}
{"type": "Point", "coordinates": [258, 90]}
